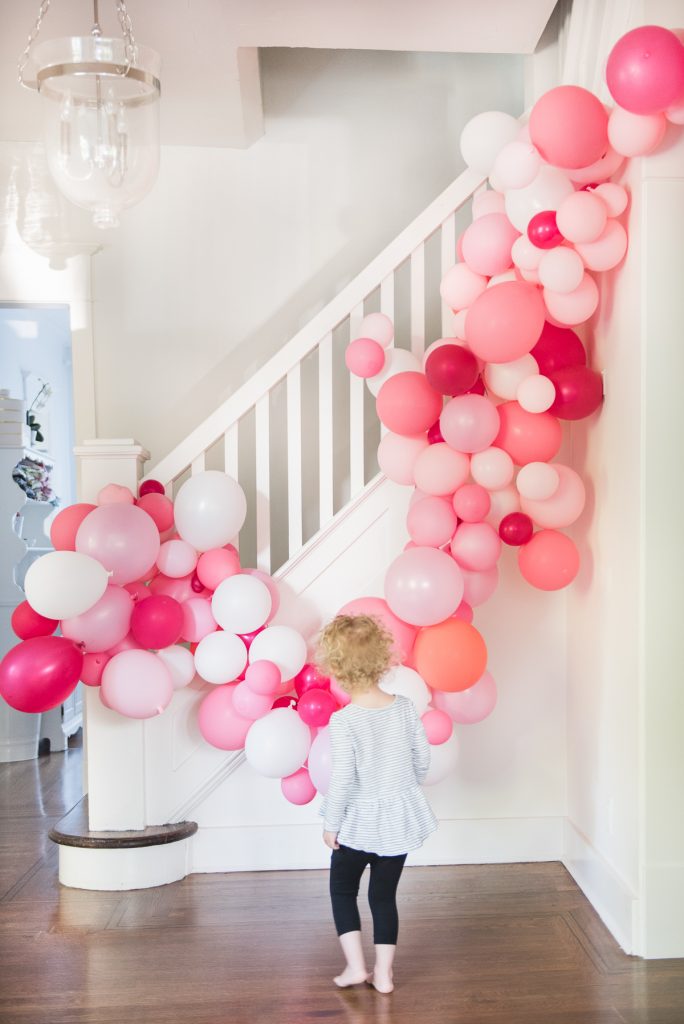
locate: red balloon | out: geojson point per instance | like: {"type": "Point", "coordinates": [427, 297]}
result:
{"type": "Point", "coordinates": [516, 528]}
{"type": "Point", "coordinates": [285, 702]}
{"type": "Point", "coordinates": [451, 370]}
{"type": "Point", "coordinates": [157, 622]}
{"type": "Point", "coordinates": [434, 434]}
{"type": "Point", "coordinates": [40, 673]}
{"type": "Point", "coordinates": [579, 392]}
{"type": "Point", "coordinates": [151, 487]}
{"type": "Point", "coordinates": [542, 230]}
{"type": "Point", "coordinates": [478, 388]}
{"type": "Point", "coordinates": [65, 525]}
{"type": "Point", "coordinates": [27, 623]}
{"type": "Point", "coordinates": [558, 347]}
{"type": "Point", "coordinates": [309, 678]}
{"type": "Point", "coordinates": [316, 706]}
{"type": "Point", "coordinates": [93, 667]}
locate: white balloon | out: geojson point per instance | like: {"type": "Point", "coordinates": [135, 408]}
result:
{"type": "Point", "coordinates": [525, 255]}
{"type": "Point", "coordinates": [397, 360]}
{"type": "Point", "coordinates": [278, 744]}
{"type": "Point", "coordinates": [503, 502]}
{"type": "Point", "coordinates": [536, 393]}
{"type": "Point", "coordinates": [378, 327]}
{"type": "Point", "coordinates": [546, 192]}
{"type": "Point", "coordinates": [180, 663]}
{"type": "Point", "coordinates": [561, 269]}
{"type": "Point", "coordinates": [517, 164]}
{"type": "Point", "coordinates": [537, 480]}
{"type": "Point", "coordinates": [220, 657]}
{"type": "Point", "coordinates": [284, 646]}
{"type": "Point", "coordinates": [63, 584]}
{"type": "Point", "coordinates": [443, 759]}
{"type": "Point", "coordinates": [320, 761]}
{"type": "Point", "coordinates": [209, 509]}
{"type": "Point", "coordinates": [408, 683]}
{"type": "Point", "coordinates": [241, 603]}
{"type": "Point", "coordinates": [484, 136]}
{"type": "Point", "coordinates": [504, 378]}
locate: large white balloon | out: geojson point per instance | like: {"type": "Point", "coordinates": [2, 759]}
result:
{"type": "Point", "coordinates": [278, 744]}
{"type": "Point", "coordinates": [397, 360]}
{"type": "Point", "coordinates": [209, 509]}
{"type": "Point", "coordinates": [180, 663]}
{"type": "Point", "coordinates": [484, 136]}
{"type": "Point", "coordinates": [284, 646]}
{"type": "Point", "coordinates": [408, 683]}
{"type": "Point", "coordinates": [546, 192]}
{"type": "Point", "coordinates": [220, 657]}
{"type": "Point", "coordinates": [241, 603]}
{"type": "Point", "coordinates": [63, 584]}
{"type": "Point", "coordinates": [443, 758]}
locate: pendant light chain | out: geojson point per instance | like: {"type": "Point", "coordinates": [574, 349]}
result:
{"type": "Point", "coordinates": [23, 60]}
{"type": "Point", "coordinates": [127, 31]}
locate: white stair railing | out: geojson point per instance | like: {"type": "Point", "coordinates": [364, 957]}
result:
{"type": "Point", "coordinates": [301, 444]}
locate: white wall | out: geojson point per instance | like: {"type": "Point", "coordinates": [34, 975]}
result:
{"type": "Point", "coordinates": [234, 251]}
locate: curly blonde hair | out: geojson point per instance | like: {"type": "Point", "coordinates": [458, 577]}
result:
{"type": "Point", "coordinates": [356, 650]}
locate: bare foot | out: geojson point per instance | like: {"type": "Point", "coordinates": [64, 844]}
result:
{"type": "Point", "coordinates": [382, 981]}
{"type": "Point", "coordinates": [350, 977]}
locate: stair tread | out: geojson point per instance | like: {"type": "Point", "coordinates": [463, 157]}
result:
{"type": "Point", "coordinates": [73, 830]}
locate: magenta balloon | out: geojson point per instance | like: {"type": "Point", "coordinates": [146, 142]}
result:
{"type": "Point", "coordinates": [451, 369]}
{"type": "Point", "coordinates": [423, 586]}
{"type": "Point", "coordinates": [403, 633]}
{"type": "Point", "coordinates": [579, 392]}
{"type": "Point", "coordinates": [157, 622]}
{"type": "Point", "coordinates": [309, 678]}
{"type": "Point", "coordinates": [122, 538]}
{"type": "Point", "coordinates": [469, 706]}
{"type": "Point", "coordinates": [27, 623]}
{"type": "Point", "coordinates": [137, 684]}
{"type": "Point", "coordinates": [316, 706]}
{"type": "Point", "coordinates": [542, 230]}
{"type": "Point", "coordinates": [469, 423]}
{"type": "Point", "coordinates": [434, 434]}
{"type": "Point", "coordinates": [505, 322]}
{"type": "Point", "coordinates": [40, 673]}
{"type": "Point", "coordinates": [557, 348]}
{"type": "Point", "coordinates": [298, 788]}
{"type": "Point", "coordinates": [105, 624]}
{"type": "Point", "coordinates": [516, 528]}
{"type": "Point", "coordinates": [219, 723]}
{"type": "Point", "coordinates": [645, 70]}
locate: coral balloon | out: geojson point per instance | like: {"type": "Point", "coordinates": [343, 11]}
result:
{"type": "Point", "coordinates": [93, 667]}
{"type": "Point", "coordinates": [550, 561]}
{"type": "Point", "coordinates": [569, 126]}
{"type": "Point", "coordinates": [364, 357]}
{"type": "Point", "coordinates": [407, 404]}
{"type": "Point", "coordinates": [543, 231]}
{"type": "Point", "coordinates": [516, 529]}
{"type": "Point", "coordinates": [451, 370]}
{"type": "Point", "coordinates": [526, 436]}
{"type": "Point", "coordinates": [423, 586]}
{"type": "Point", "coordinates": [558, 347]}
{"type": "Point", "coordinates": [40, 673]}
{"type": "Point", "coordinates": [505, 322]}
{"type": "Point", "coordinates": [28, 624]}
{"type": "Point", "coordinates": [123, 538]}
{"type": "Point", "coordinates": [645, 70]}
{"type": "Point", "coordinates": [579, 392]}
{"type": "Point", "coordinates": [137, 684]}
{"type": "Point", "coordinates": [219, 723]}
{"type": "Point", "coordinates": [404, 634]}
{"type": "Point", "coordinates": [451, 655]}
{"type": "Point", "coordinates": [65, 526]}
{"type": "Point", "coordinates": [157, 622]}
{"type": "Point", "coordinates": [438, 726]}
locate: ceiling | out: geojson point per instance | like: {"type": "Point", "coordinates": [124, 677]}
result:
{"type": "Point", "coordinates": [210, 73]}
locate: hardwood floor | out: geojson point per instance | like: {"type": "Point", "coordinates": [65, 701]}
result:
{"type": "Point", "coordinates": [512, 944]}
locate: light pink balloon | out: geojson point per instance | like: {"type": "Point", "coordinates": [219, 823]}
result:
{"type": "Point", "coordinates": [431, 522]}
{"type": "Point", "coordinates": [104, 625]}
{"type": "Point", "coordinates": [249, 704]}
{"type": "Point", "coordinates": [423, 586]}
{"type": "Point", "coordinates": [379, 327]}
{"type": "Point", "coordinates": [478, 587]}
{"type": "Point", "coordinates": [487, 244]}
{"type": "Point", "coordinates": [403, 633]}
{"type": "Point", "coordinates": [581, 217]}
{"type": "Point", "coordinates": [364, 357]}
{"type": "Point", "coordinates": [537, 481]}
{"type": "Point", "coordinates": [122, 538]}
{"type": "Point", "coordinates": [607, 251]}
{"type": "Point", "coordinates": [599, 171]}
{"type": "Point", "coordinates": [525, 254]}
{"type": "Point", "coordinates": [129, 643]}
{"type": "Point", "coordinates": [219, 723]}
{"type": "Point", "coordinates": [137, 684]}
{"type": "Point", "coordinates": [438, 726]}
{"type": "Point", "coordinates": [397, 455]}
{"type": "Point", "coordinates": [564, 507]}
{"type": "Point", "coordinates": [461, 286]}
{"type": "Point", "coordinates": [469, 423]}
{"type": "Point", "coordinates": [503, 502]}
{"type": "Point", "coordinates": [114, 494]}
{"type": "Point", "coordinates": [272, 589]}
{"type": "Point", "coordinates": [635, 134]}
{"type": "Point", "coordinates": [469, 706]}
{"type": "Point", "coordinates": [180, 663]}
{"type": "Point", "coordinates": [298, 788]}
{"type": "Point", "coordinates": [487, 202]}
{"type": "Point", "coordinates": [573, 307]}
{"type": "Point", "coordinates": [198, 620]}
{"type": "Point", "coordinates": [476, 546]}
{"type": "Point", "coordinates": [517, 164]}
{"type": "Point", "coordinates": [614, 196]}
{"type": "Point", "coordinates": [561, 269]}
{"type": "Point", "coordinates": [439, 469]}
{"type": "Point", "coordinates": [492, 468]}
{"type": "Point", "coordinates": [320, 761]}
{"type": "Point", "coordinates": [263, 677]}
{"type": "Point", "coordinates": [215, 566]}
{"type": "Point", "coordinates": [180, 590]}
{"type": "Point", "coordinates": [176, 558]}
{"type": "Point", "coordinates": [471, 503]}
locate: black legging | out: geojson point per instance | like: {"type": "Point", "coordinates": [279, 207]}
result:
{"type": "Point", "coordinates": [346, 867]}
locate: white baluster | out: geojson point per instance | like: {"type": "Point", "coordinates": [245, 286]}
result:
{"type": "Point", "coordinates": [230, 451]}
{"type": "Point", "coordinates": [263, 484]}
{"type": "Point", "coordinates": [325, 430]}
{"type": "Point", "coordinates": [387, 297]}
{"type": "Point", "coordinates": [356, 420]}
{"type": "Point", "coordinates": [294, 460]}
{"type": "Point", "coordinates": [198, 463]}
{"type": "Point", "coordinates": [448, 238]}
{"type": "Point", "coordinates": [418, 301]}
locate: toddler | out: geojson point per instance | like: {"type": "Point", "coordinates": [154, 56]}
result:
{"type": "Point", "coordinates": [375, 811]}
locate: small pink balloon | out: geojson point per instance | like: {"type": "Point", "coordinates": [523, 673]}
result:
{"type": "Point", "coordinates": [137, 684]}
{"type": "Point", "coordinates": [159, 508]}
{"type": "Point", "coordinates": [478, 587]}
{"type": "Point", "coordinates": [298, 788]}
{"type": "Point", "coordinates": [103, 625]}
{"type": "Point", "coordinates": [177, 559]}
{"type": "Point", "coordinates": [543, 230]}
{"type": "Point", "coordinates": [198, 621]}
{"type": "Point", "coordinates": [309, 678]}
{"type": "Point", "coordinates": [407, 404]}
{"type": "Point", "coordinates": [250, 704]}
{"type": "Point", "coordinates": [476, 546]}
{"type": "Point", "coordinates": [469, 424]}
{"type": "Point", "coordinates": [114, 494]}
{"type": "Point", "coordinates": [93, 667]}
{"type": "Point", "coordinates": [439, 468]}
{"type": "Point", "coordinates": [467, 707]}
{"type": "Point", "coordinates": [217, 565]}
{"type": "Point", "coordinates": [438, 726]}
{"type": "Point", "coordinates": [218, 721]}
{"type": "Point", "coordinates": [364, 357]}
{"type": "Point", "coordinates": [263, 677]}
{"type": "Point", "coordinates": [463, 612]}
{"type": "Point", "coordinates": [431, 522]}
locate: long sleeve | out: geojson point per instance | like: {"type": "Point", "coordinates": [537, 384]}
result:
{"type": "Point", "coordinates": [420, 750]}
{"type": "Point", "coordinates": [341, 777]}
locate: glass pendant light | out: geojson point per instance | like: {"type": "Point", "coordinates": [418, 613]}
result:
{"type": "Point", "coordinates": [100, 100]}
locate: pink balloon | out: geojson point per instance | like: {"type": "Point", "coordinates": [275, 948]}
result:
{"type": "Point", "coordinates": [569, 126]}
{"type": "Point", "coordinates": [122, 538]}
{"type": "Point", "coordinates": [39, 674]}
{"type": "Point", "coordinates": [564, 507]}
{"type": "Point", "coordinates": [431, 522]}
{"type": "Point", "coordinates": [93, 667]}
{"type": "Point", "coordinates": [269, 582]}
{"type": "Point", "coordinates": [407, 404]}
{"type": "Point", "coordinates": [180, 590]}
{"type": "Point", "coordinates": [487, 244]}
{"type": "Point", "coordinates": [582, 217]}
{"type": "Point", "coordinates": [576, 306]}
{"type": "Point", "coordinates": [316, 706]}
{"type": "Point", "coordinates": [340, 695]}
{"type": "Point", "coordinates": [461, 286]}
{"type": "Point", "coordinates": [263, 677]}
{"type": "Point", "coordinates": [114, 494]}
{"type": "Point", "coordinates": [138, 591]}
{"type": "Point", "coordinates": [404, 634]}
{"type": "Point", "coordinates": [645, 70]}
{"type": "Point", "coordinates": [298, 788]}
{"type": "Point", "coordinates": [469, 706]}
{"type": "Point", "coordinates": [176, 558]}
{"type": "Point", "coordinates": [65, 526]}
{"type": "Point", "coordinates": [309, 678]}
{"type": "Point", "coordinates": [129, 643]}
{"type": "Point", "coordinates": [105, 624]}
{"type": "Point", "coordinates": [469, 423]}
{"type": "Point", "coordinates": [463, 612]}
{"type": "Point", "coordinates": [438, 726]}
{"type": "Point", "coordinates": [364, 357]}
{"type": "Point", "coordinates": [599, 171]}
{"type": "Point", "coordinates": [487, 202]}
{"type": "Point", "coordinates": [217, 565]}
{"type": "Point", "coordinates": [198, 621]}
{"type": "Point", "coordinates": [527, 436]}
{"type": "Point", "coordinates": [219, 723]}
{"type": "Point", "coordinates": [505, 322]}
{"type": "Point", "coordinates": [159, 508]}
{"type": "Point", "coordinates": [471, 503]}
{"type": "Point", "coordinates": [608, 249]}
{"type": "Point", "coordinates": [439, 469]}
{"type": "Point", "coordinates": [249, 704]}
{"type": "Point", "coordinates": [550, 561]}
{"type": "Point", "coordinates": [137, 684]}
{"type": "Point", "coordinates": [157, 622]}
{"type": "Point", "coordinates": [543, 230]}
{"type": "Point", "coordinates": [27, 623]}
{"type": "Point", "coordinates": [397, 456]}
{"type": "Point", "coordinates": [423, 586]}
{"type": "Point", "coordinates": [478, 587]}
{"type": "Point", "coordinates": [476, 546]}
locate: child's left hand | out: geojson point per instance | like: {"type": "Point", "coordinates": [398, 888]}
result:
{"type": "Point", "coordinates": [330, 839]}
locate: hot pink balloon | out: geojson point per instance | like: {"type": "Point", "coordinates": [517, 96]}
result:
{"type": "Point", "coordinates": [403, 633]}
{"type": "Point", "coordinates": [423, 586]}
{"type": "Point", "coordinates": [527, 436]}
{"type": "Point", "coordinates": [431, 522]}
{"type": "Point", "coordinates": [218, 721]}
{"type": "Point", "coordinates": [478, 587]}
{"type": "Point", "coordinates": [93, 667]}
{"type": "Point", "coordinates": [263, 677]}
{"type": "Point", "coordinates": [543, 231]}
{"type": "Point", "coordinates": [316, 706]}
{"type": "Point", "coordinates": [137, 684]}
{"type": "Point", "coordinates": [469, 706]}
{"type": "Point", "coordinates": [159, 508]}
{"type": "Point", "coordinates": [438, 726]}
{"type": "Point", "coordinates": [469, 423]}
{"type": "Point", "coordinates": [645, 70]}
{"type": "Point", "coordinates": [298, 788]}
{"type": "Point", "coordinates": [476, 546]}
{"type": "Point", "coordinates": [65, 526]}
{"type": "Point", "coordinates": [198, 620]}
{"type": "Point", "coordinates": [27, 623]}
{"type": "Point", "coordinates": [249, 638]}
{"type": "Point", "coordinates": [364, 357]}
{"type": "Point", "coordinates": [122, 538]}
{"type": "Point", "coordinates": [505, 322]}
{"type": "Point", "coordinates": [407, 404]}
{"type": "Point", "coordinates": [40, 673]}
{"type": "Point", "coordinates": [105, 624]}
{"type": "Point", "coordinates": [309, 678]}
{"type": "Point", "coordinates": [157, 622]}
{"type": "Point", "coordinates": [487, 244]}
{"type": "Point", "coordinates": [471, 503]}
{"type": "Point", "coordinates": [569, 126]}
{"type": "Point", "coordinates": [249, 704]}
